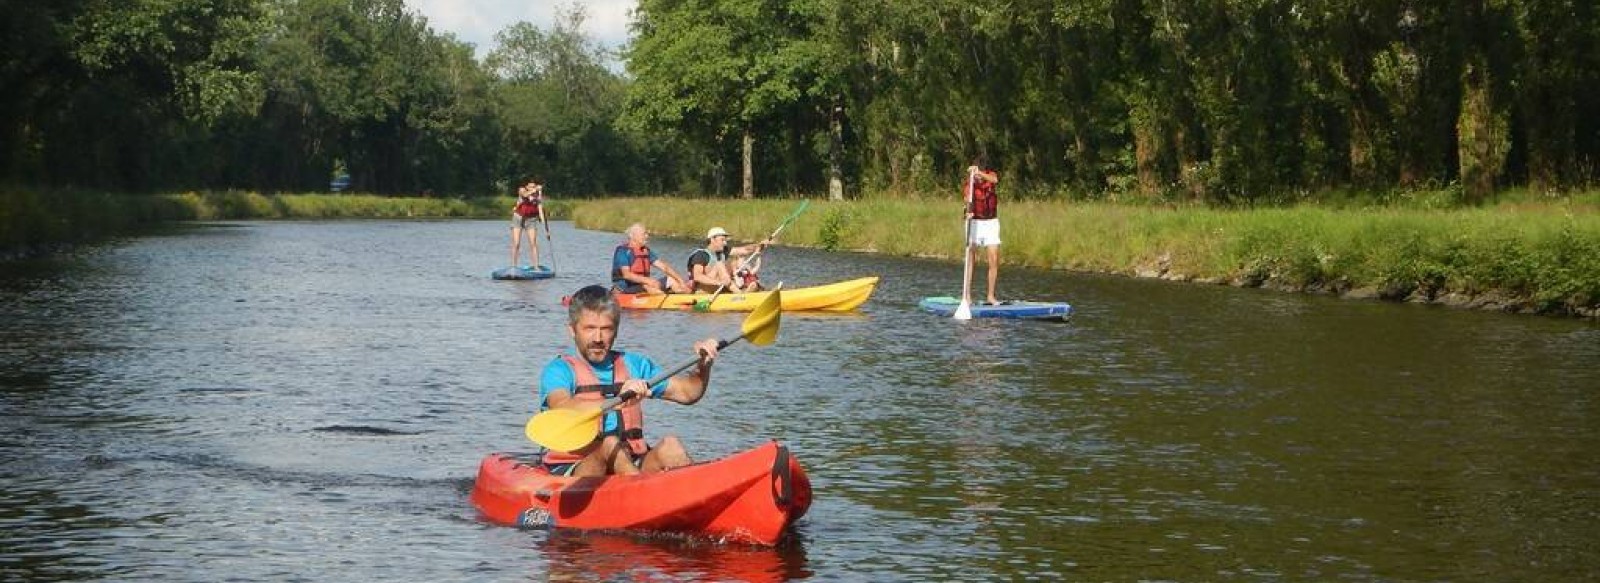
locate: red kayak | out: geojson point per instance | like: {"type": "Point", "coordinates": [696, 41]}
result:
{"type": "Point", "coordinates": [752, 496]}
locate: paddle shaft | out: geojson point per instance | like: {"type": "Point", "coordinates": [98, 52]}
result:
{"type": "Point", "coordinates": [613, 402]}
{"type": "Point", "coordinates": [548, 242]}
{"type": "Point", "coordinates": [966, 254]}
{"type": "Point", "coordinates": [751, 257]}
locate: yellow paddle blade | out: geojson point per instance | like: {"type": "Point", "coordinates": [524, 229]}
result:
{"type": "Point", "coordinates": [761, 326]}
{"type": "Point", "coordinates": [564, 429]}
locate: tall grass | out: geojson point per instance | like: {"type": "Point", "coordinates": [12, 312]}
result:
{"type": "Point", "coordinates": [1538, 257]}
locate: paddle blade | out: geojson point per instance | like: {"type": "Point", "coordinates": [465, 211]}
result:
{"type": "Point", "coordinates": [761, 326]}
{"type": "Point", "coordinates": [963, 311]}
{"type": "Point", "coordinates": [564, 429]}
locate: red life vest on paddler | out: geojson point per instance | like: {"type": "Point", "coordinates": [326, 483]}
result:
{"type": "Point", "coordinates": [527, 206]}
{"type": "Point", "coordinates": [587, 387]}
{"type": "Point", "coordinates": [641, 260]}
{"type": "Point", "coordinates": [747, 278]}
{"type": "Point", "coordinates": [985, 205]}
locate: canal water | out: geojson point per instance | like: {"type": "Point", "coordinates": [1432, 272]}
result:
{"type": "Point", "coordinates": [283, 401]}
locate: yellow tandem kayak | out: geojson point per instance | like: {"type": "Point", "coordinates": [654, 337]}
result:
{"type": "Point", "coordinates": [834, 297]}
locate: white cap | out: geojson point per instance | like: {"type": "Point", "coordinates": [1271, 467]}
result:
{"type": "Point", "coordinates": [715, 232]}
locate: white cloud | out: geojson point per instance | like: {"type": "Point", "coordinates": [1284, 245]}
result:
{"type": "Point", "coordinates": [477, 21]}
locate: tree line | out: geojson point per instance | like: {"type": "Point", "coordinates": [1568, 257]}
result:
{"type": "Point", "coordinates": [1221, 101]}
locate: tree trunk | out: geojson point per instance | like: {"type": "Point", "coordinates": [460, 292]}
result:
{"type": "Point", "coordinates": [1147, 152]}
{"type": "Point", "coordinates": [1550, 139]}
{"type": "Point", "coordinates": [1362, 152]}
{"type": "Point", "coordinates": [749, 188]}
{"type": "Point", "coordinates": [1481, 132]}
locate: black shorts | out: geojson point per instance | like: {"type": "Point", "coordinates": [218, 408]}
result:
{"type": "Point", "coordinates": [628, 287]}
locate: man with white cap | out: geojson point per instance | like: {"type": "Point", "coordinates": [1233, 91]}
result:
{"type": "Point", "coordinates": [709, 269]}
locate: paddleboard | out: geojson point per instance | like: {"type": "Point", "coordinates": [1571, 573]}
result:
{"type": "Point", "coordinates": [523, 272]}
{"type": "Point", "coordinates": [1020, 310]}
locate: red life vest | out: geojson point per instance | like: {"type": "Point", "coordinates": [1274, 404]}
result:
{"type": "Point", "coordinates": [747, 278]}
{"type": "Point", "coordinates": [528, 207]}
{"type": "Point", "coordinates": [641, 260]}
{"type": "Point", "coordinates": [587, 388]}
{"type": "Point", "coordinates": [985, 205]}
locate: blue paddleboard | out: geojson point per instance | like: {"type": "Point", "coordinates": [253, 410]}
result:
{"type": "Point", "coordinates": [946, 306]}
{"type": "Point", "coordinates": [523, 272]}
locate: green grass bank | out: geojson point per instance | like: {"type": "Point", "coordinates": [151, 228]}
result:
{"type": "Point", "coordinates": [33, 222]}
{"type": "Point", "coordinates": [1540, 258]}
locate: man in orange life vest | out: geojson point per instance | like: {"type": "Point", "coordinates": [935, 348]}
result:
{"type": "Point", "coordinates": [631, 264]}
{"type": "Point", "coordinates": [595, 372]}
{"type": "Point", "coordinates": [529, 207]}
{"type": "Point", "coordinates": [983, 210]}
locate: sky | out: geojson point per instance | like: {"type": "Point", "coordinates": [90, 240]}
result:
{"type": "Point", "coordinates": [477, 21]}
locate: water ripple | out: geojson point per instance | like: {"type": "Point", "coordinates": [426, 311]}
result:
{"type": "Point", "coordinates": [309, 401]}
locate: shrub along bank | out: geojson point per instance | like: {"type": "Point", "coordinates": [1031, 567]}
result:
{"type": "Point", "coordinates": [1542, 258]}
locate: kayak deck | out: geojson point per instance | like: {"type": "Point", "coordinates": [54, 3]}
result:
{"type": "Point", "coordinates": [834, 297]}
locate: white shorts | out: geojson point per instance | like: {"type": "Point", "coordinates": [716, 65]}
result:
{"type": "Point", "coordinates": [985, 233]}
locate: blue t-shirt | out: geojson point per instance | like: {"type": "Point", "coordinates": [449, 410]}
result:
{"type": "Point", "coordinates": [558, 376]}
{"type": "Point", "coordinates": [622, 260]}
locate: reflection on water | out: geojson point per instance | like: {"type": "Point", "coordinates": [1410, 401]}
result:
{"type": "Point", "coordinates": [588, 556]}
{"type": "Point", "coordinates": [279, 401]}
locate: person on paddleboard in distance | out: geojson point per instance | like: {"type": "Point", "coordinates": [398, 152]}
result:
{"type": "Point", "coordinates": [711, 267]}
{"type": "Point", "coordinates": [983, 209]}
{"type": "Point", "coordinates": [529, 208]}
{"type": "Point", "coordinates": [631, 264]}
{"type": "Point", "coordinates": [593, 372]}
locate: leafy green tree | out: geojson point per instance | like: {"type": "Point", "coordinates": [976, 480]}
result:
{"type": "Point", "coordinates": [719, 69]}
{"type": "Point", "coordinates": [115, 94]}
{"type": "Point", "coordinates": [558, 103]}
{"type": "Point", "coordinates": [368, 83]}
{"type": "Point", "coordinates": [36, 69]}
{"type": "Point", "coordinates": [1556, 77]}
{"type": "Point", "coordinates": [1225, 101]}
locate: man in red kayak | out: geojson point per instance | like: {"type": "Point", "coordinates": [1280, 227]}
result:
{"type": "Point", "coordinates": [594, 372]}
{"type": "Point", "coordinates": [631, 264]}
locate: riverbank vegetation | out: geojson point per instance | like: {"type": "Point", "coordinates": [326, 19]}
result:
{"type": "Point", "coordinates": [31, 221]}
{"type": "Point", "coordinates": [1213, 140]}
{"type": "Point", "coordinates": [1520, 255]}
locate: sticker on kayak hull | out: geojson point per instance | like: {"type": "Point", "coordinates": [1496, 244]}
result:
{"type": "Point", "coordinates": [535, 518]}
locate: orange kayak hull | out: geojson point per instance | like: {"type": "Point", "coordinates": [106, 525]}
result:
{"type": "Point", "coordinates": [751, 496]}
